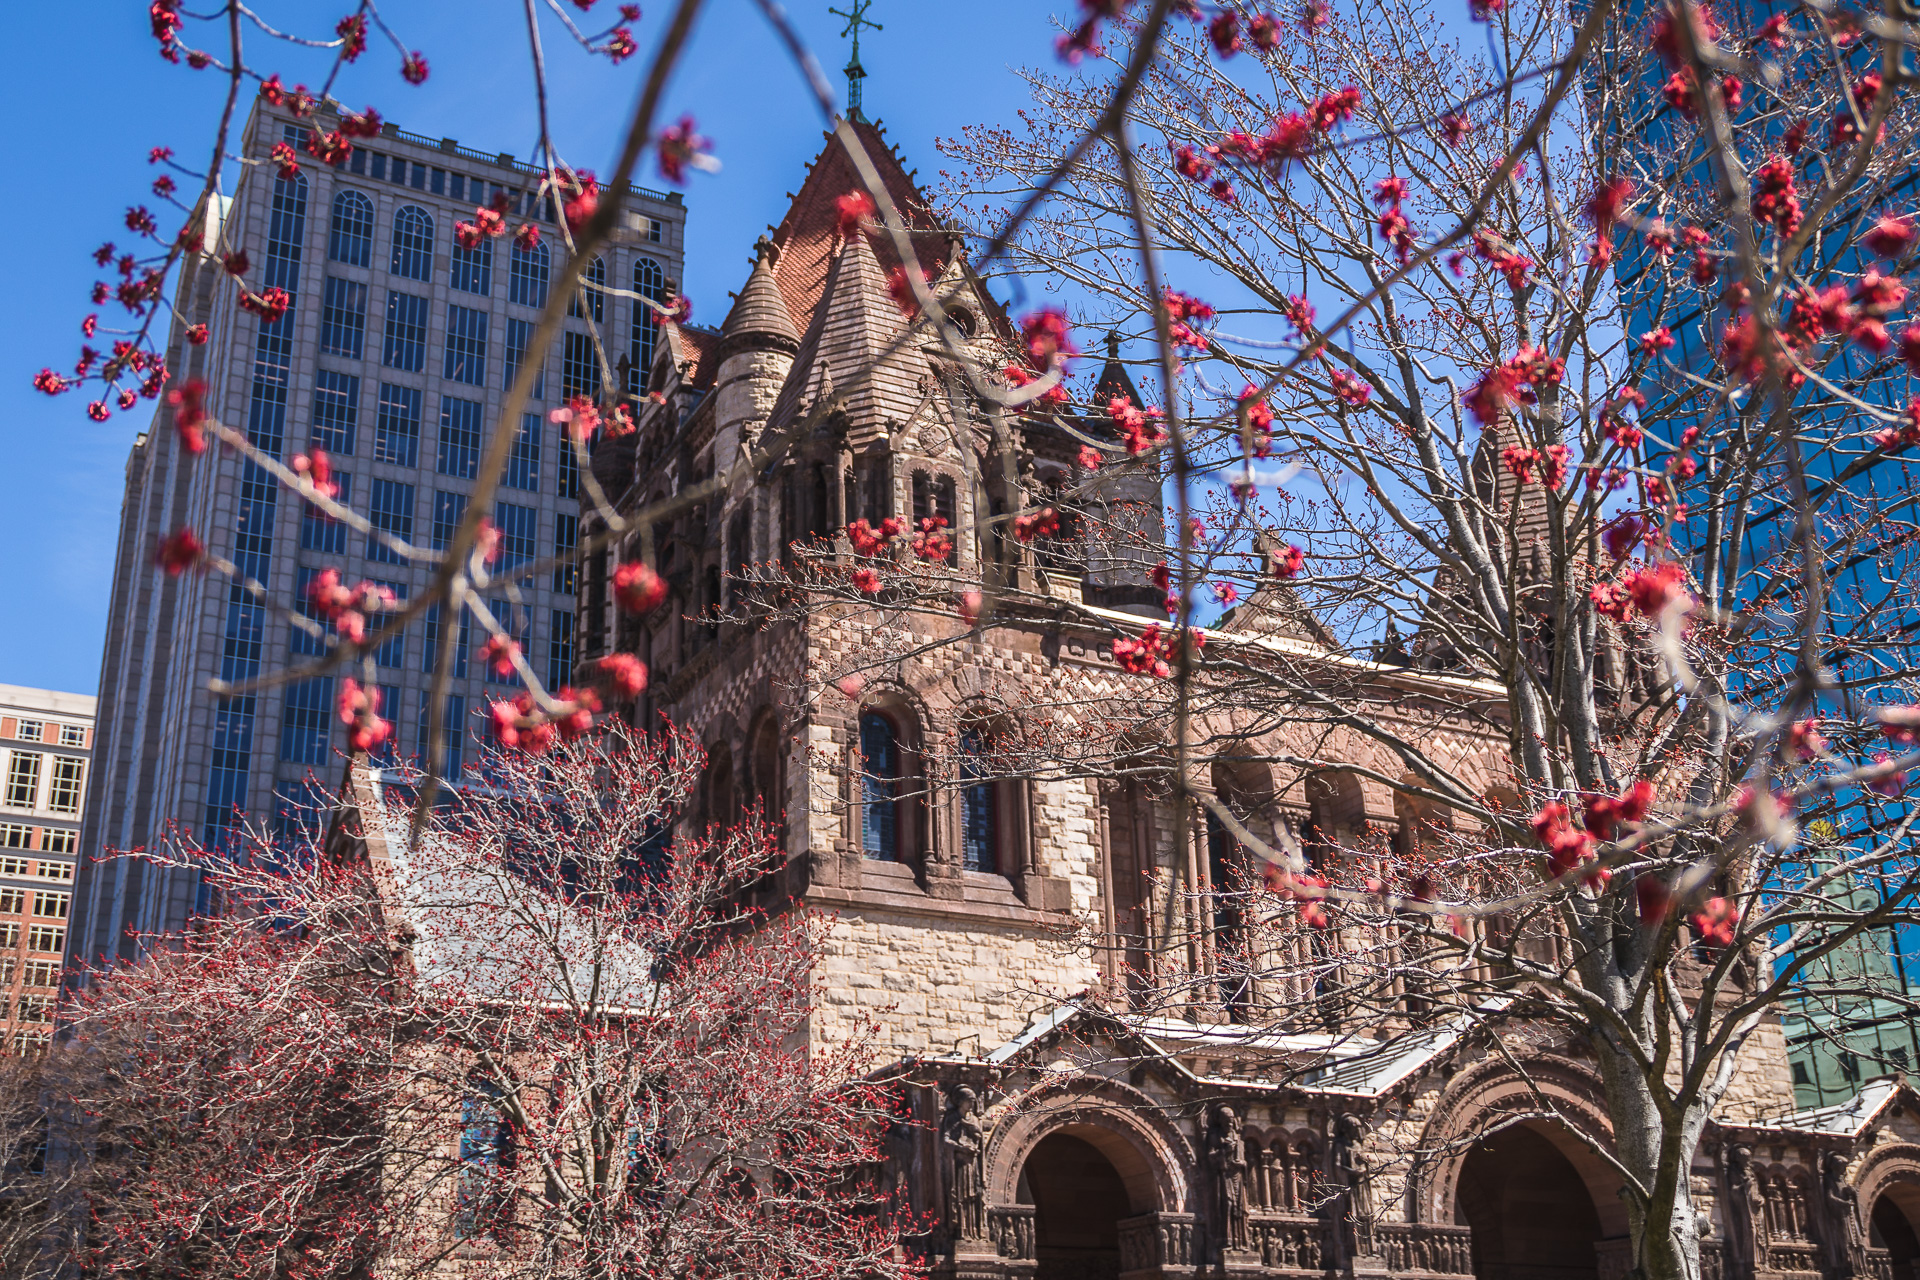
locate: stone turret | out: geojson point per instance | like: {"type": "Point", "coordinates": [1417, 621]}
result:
{"type": "Point", "coordinates": [757, 345]}
{"type": "Point", "coordinates": [1125, 523]}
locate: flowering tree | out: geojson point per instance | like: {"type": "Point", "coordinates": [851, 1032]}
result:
{"type": "Point", "coordinates": [547, 1038]}
{"type": "Point", "coordinates": [1564, 385]}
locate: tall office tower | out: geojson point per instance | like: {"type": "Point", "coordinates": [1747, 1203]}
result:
{"type": "Point", "coordinates": [46, 746]}
{"type": "Point", "coordinates": [1838, 1045]}
{"type": "Point", "coordinates": [393, 356]}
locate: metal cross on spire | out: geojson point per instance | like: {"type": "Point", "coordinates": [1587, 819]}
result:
{"type": "Point", "coordinates": [855, 72]}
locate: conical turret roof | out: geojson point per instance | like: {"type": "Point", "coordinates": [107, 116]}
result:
{"type": "Point", "coordinates": [760, 316]}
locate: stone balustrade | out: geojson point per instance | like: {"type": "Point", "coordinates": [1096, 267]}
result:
{"type": "Point", "coordinates": [1156, 1240]}
{"type": "Point", "coordinates": [1010, 1228]}
{"type": "Point", "coordinates": [1429, 1247]}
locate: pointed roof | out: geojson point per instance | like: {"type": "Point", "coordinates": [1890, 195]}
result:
{"type": "Point", "coordinates": [760, 317]}
{"type": "Point", "coordinates": [846, 349]}
{"type": "Point", "coordinates": [693, 351]}
{"type": "Point", "coordinates": [805, 242]}
{"type": "Point", "coordinates": [1114, 383]}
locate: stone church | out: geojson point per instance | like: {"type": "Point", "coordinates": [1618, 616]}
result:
{"type": "Point", "coordinates": [993, 929]}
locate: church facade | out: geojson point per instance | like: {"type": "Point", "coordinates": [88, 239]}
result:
{"type": "Point", "coordinates": [997, 932]}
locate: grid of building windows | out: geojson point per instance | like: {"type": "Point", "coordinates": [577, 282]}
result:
{"type": "Point", "coordinates": [579, 366]}
{"type": "Point", "coordinates": [405, 345]}
{"type": "Point", "coordinates": [309, 640]}
{"type": "Point", "coordinates": [505, 617]}
{"type": "Point", "coordinates": [523, 464]}
{"type": "Point", "coordinates": [519, 338]}
{"type": "Point", "coordinates": [320, 531]}
{"type": "Point", "coordinates": [306, 721]}
{"type": "Point", "coordinates": [431, 654]}
{"type": "Point", "coordinates": [566, 535]}
{"type": "Point", "coordinates": [350, 237]}
{"type": "Point", "coordinates": [459, 454]}
{"type": "Point", "coordinates": [473, 268]}
{"type": "Point", "coordinates": [466, 359]}
{"type": "Point", "coordinates": [559, 649]}
{"type": "Point", "coordinates": [390, 511]}
{"type": "Point", "coordinates": [343, 318]}
{"type": "Point", "coordinates": [336, 411]}
{"type": "Point", "coordinates": [412, 243]}
{"type": "Point", "coordinates": [567, 469]}
{"type": "Point", "coordinates": [396, 429]}
{"type": "Point", "coordinates": [392, 651]}
{"type": "Point", "coordinates": [230, 754]}
{"type": "Point", "coordinates": [376, 242]}
{"type": "Point", "coordinates": [593, 285]}
{"type": "Point", "coordinates": [650, 282]}
{"type": "Point", "coordinates": [528, 272]}
{"type": "Point", "coordinates": [449, 508]}
{"type": "Point", "coordinates": [519, 534]}
{"type": "Point", "coordinates": [23, 780]}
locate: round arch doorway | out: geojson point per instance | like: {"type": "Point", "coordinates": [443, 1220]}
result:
{"type": "Point", "coordinates": [1078, 1199]}
{"type": "Point", "coordinates": [1533, 1211]}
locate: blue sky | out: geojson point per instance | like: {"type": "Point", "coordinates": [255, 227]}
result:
{"type": "Point", "coordinates": [81, 159]}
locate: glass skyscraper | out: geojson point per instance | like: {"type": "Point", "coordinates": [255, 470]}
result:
{"type": "Point", "coordinates": [394, 356]}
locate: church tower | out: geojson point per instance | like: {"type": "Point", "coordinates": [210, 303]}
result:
{"type": "Point", "coordinates": [1007, 927]}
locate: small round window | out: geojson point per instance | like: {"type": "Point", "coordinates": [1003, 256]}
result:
{"type": "Point", "coordinates": [962, 319]}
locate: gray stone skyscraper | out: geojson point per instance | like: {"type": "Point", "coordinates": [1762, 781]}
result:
{"type": "Point", "coordinates": [393, 357]}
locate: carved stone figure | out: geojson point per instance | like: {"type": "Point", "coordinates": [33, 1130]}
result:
{"type": "Point", "coordinates": [963, 1139]}
{"type": "Point", "coordinates": [1739, 1245]}
{"type": "Point", "coordinates": [1353, 1169]}
{"type": "Point", "coordinates": [1836, 1221]}
{"type": "Point", "coordinates": [1226, 1154]}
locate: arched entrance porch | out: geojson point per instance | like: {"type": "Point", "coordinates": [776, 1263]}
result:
{"type": "Point", "coordinates": [1532, 1195]}
{"type": "Point", "coordinates": [1087, 1177]}
{"type": "Point", "coordinates": [1079, 1200]}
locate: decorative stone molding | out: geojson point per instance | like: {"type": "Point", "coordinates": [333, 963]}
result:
{"type": "Point", "coordinates": [1477, 1100]}
{"type": "Point", "coordinates": [1154, 1160]}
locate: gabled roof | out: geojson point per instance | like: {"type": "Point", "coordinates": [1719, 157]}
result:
{"type": "Point", "coordinates": [805, 242]}
{"type": "Point", "coordinates": [433, 899]}
{"type": "Point", "coordinates": [1351, 1067]}
{"type": "Point", "coordinates": [691, 350]}
{"type": "Point", "coordinates": [1849, 1118]}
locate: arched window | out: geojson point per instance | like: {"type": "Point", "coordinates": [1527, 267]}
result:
{"type": "Point", "coordinates": [879, 787]}
{"type": "Point", "coordinates": [486, 1161]}
{"type": "Point", "coordinates": [720, 806]}
{"type": "Point", "coordinates": [980, 826]}
{"type": "Point", "coordinates": [1127, 815]}
{"type": "Point", "coordinates": [351, 238]}
{"type": "Point", "coordinates": [595, 280]}
{"type": "Point", "coordinates": [286, 232]}
{"type": "Point", "coordinates": [1246, 793]}
{"type": "Point", "coordinates": [768, 765]}
{"type": "Point", "coordinates": [1226, 884]}
{"type": "Point", "coordinates": [650, 282]}
{"type": "Point", "coordinates": [528, 275]}
{"type": "Point", "coordinates": [412, 243]}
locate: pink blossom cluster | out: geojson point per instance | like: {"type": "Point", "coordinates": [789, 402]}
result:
{"type": "Point", "coordinates": [1650, 590]}
{"type": "Point", "coordinates": [346, 608]}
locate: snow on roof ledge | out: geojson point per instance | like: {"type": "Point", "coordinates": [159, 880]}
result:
{"type": "Point", "coordinates": [1362, 1070]}
{"type": "Point", "coordinates": [1843, 1118]}
{"type": "Point", "coordinates": [441, 901]}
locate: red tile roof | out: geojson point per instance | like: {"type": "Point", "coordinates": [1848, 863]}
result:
{"type": "Point", "coordinates": [808, 235]}
{"type": "Point", "coordinates": [700, 346]}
